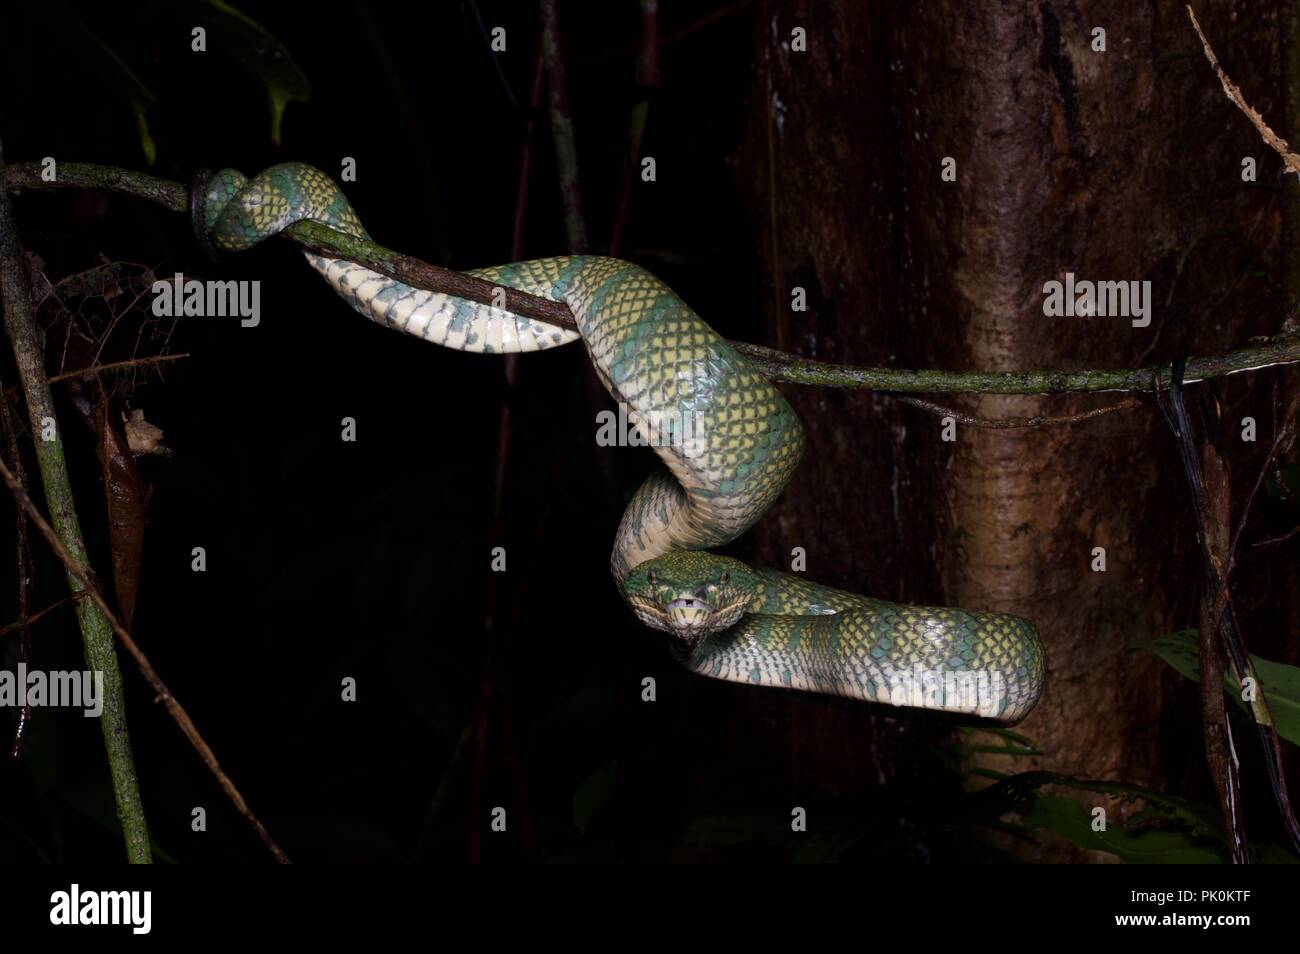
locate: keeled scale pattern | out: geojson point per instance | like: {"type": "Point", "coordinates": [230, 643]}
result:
{"type": "Point", "coordinates": [733, 445]}
{"type": "Point", "coordinates": [984, 664]}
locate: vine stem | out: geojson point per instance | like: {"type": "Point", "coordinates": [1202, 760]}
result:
{"type": "Point", "coordinates": [84, 587]}
{"type": "Point", "coordinates": [777, 365]}
{"type": "Point", "coordinates": [63, 533]}
{"type": "Point", "coordinates": [96, 635]}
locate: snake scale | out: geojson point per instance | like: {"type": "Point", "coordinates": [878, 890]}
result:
{"type": "Point", "coordinates": [733, 445]}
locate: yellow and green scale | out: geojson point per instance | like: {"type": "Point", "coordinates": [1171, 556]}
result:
{"type": "Point", "coordinates": [733, 443]}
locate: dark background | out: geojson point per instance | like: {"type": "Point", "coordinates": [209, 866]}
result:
{"type": "Point", "coordinates": [370, 559]}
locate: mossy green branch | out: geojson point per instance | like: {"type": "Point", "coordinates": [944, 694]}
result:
{"type": "Point", "coordinates": [1284, 349]}
{"type": "Point", "coordinates": [778, 365]}
{"type": "Point", "coordinates": [87, 175]}
{"type": "Point", "coordinates": [96, 634]}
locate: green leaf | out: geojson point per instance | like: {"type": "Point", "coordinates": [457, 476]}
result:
{"type": "Point", "coordinates": [1013, 743]}
{"type": "Point", "coordinates": [1290, 481]}
{"type": "Point", "coordinates": [257, 51]}
{"type": "Point", "coordinates": [956, 753]}
{"type": "Point", "coordinates": [1180, 650]}
{"type": "Point", "coordinates": [146, 138]}
{"type": "Point", "coordinates": [1198, 818]}
{"type": "Point", "coordinates": [111, 74]}
{"type": "Point", "coordinates": [826, 846]}
{"type": "Point", "coordinates": [1168, 829]}
{"type": "Point", "coordinates": [1279, 682]}
{"type": "Point", "coordinates": [1068, 818]}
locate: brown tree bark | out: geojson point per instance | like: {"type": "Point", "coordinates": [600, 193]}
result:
{"type": "Point", "coordinates": [1116, 165]}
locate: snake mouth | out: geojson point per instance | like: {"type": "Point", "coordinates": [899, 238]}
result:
{"type": "Point", "coordinates": [688, 617]}
{"type": "Point", "coordinates": [688, 603]}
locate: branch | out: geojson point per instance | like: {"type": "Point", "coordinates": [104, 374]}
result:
{"type": "Point", "coordinates": [647, 81]}
{"type": "Point", "coordinates": [566, 150]}
{"type": "Point", "coordinates": [94, 369]}
{"type": "Point", "coordinates": [29, 357]}
{"type": "Point", "coordinates": [1012, 422]}
{"type": "Point", "coordinates": [187, 726]}
{"type": "Point", "coordinates": [777, 365]}
{"type": "Point", "coordinates": [25, 621]}
{"type": "Point", "coordinates": [86, 175]}
{"type": "Point", "coordinates": [1221, 636]}
{"type": "Point", "coordinates": [23, 564]}
{"type": "Point", "coordinates": [1276, 142]}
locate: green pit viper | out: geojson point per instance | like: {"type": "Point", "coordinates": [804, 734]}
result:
{"type": "Point", "coordinates": [733, 444]}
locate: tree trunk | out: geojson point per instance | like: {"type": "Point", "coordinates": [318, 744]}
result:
{"type": "Point", "coordinates": [1116, 165]}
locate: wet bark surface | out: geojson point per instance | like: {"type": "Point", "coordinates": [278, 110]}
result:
{"type": "Point", "coordinates": [1119, 165]}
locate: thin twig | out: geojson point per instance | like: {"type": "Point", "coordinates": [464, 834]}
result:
{"type": "Point", "coordinates": [96, 636]}
{"type": "Point", "coordinates": [88, 175]}
{"type": "Point", "coordinates": [1010, 422]}
{"type": "Point", "coordinates": [682, 33]}
{"type": "Point", "coordinates": [173, 704]}
{"type": "Point", "coordinates": [508, 632]}
{"type": "Point", "coordinates": [1209, 489]}
{"type": "Point", "coordinates": [1274, 541]}
{"type": "Point", "coordinates": [706, 21]}
{"type": "Point", "coordinates": [1279, 439]}
{"type": "Point", "coordinates": [24, 621]}
{"type": "Point", "coordinates": [777, 365]}
{"type": "Point", "coordinates": [23, 563]}
{"type": "Point", "coordinates": [497, 646]}
{"type": "Point", "coordinates": [1276, 142]}
{"type": "Point", "coordinates": [647, 79]}
{"type": "Point", "coordinates": [1222, 615]}
{"type": "Point", "coordinates": [566, 149]}
{"type": "Point", "coordinates": [94, 369]}
{"type": "Point", "coordinates": [1284, 349]}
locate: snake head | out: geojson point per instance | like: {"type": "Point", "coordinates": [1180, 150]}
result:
{"type": "Point", "coordinates": [689, 594]}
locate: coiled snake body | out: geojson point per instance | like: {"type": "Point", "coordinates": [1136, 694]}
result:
{"type": "Point", "coordinates": [730, 443]}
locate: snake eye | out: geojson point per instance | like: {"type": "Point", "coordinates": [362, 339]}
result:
{"type": "Point", "coordinates": [650, 578]}
{"type": "Point", "coordinates": [726, 575]}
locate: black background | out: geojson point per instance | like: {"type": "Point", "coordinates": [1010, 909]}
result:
{"type": "Point", "coordinates": [370, 560]}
